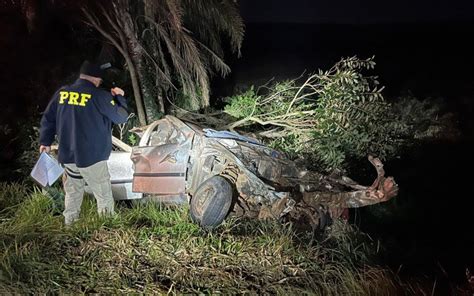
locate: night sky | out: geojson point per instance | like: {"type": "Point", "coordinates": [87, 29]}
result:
{"type": "Point", "coordinates": [356, 12]}
{"type": "Point", "coordinates": [414, 42]}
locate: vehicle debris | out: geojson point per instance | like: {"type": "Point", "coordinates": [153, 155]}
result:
{"type": "Point", "coordinates": [222, 174]}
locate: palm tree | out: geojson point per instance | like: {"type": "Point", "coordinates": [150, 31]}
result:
{"type": "Point", "coordinates": [169, 44]}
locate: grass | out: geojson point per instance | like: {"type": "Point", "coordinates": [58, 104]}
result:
{"type": "Point", "coordinates": [153, 250]}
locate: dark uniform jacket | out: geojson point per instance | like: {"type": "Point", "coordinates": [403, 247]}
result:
{"type": "Point", "coordinates": [82, 116]}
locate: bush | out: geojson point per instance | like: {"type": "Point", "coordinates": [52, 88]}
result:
{"type": "Point", "coordinates": [331, 117]}
{"type": "Point", "coordinates": [122, 131]}
{"type": "Point", "coordinates": [28, 145]}
{"type": "Point", "coordinates": [425, 119]}
{"type": "Point", "coordinates": [11, 195]}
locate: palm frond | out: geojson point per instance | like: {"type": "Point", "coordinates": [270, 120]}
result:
{"type": "Point", "coordinates": [182, 39]}
{"type": "Point", "coordinates": [215, 60]}
{"type": "Point", "coordinates": [211, 16]}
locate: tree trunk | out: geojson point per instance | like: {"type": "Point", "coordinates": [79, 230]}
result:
{"type": "Point", "coordinates": [133, 63]}
{"type": "Point", "coordinates": [159, 97]}
{"type": "Point", "coordinates": [136, 91]}
{"type": "Point", "coordinates": [146, 74]}
{"type": "Point", "coordinates": [121, 26]}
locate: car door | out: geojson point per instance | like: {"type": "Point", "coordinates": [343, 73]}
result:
{"type": "Point", "coordinates": [160, 169]}
{"type": "Point", "coordinates": [160, 162]}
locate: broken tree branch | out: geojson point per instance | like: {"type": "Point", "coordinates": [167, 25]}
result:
{"type": "Point", "coordinates": [123, 146]}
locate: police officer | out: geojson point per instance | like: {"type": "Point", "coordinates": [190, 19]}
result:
{"type": "Point", "coordinates": [81, 115]}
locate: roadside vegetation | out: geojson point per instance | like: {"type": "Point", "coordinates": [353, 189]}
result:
{"type": "Point", "coordinates": [331, 118]}
{"type": "Point", "coordinates": [148, 249]}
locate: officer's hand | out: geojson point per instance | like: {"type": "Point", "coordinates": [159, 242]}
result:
{"type": "Point", "coordinates": [46, 149]}
{"type": "Point", "coordinates": [117, 91]}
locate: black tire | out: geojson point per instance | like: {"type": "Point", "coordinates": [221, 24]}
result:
{"type": "Point", "coordinates": [211, 203]}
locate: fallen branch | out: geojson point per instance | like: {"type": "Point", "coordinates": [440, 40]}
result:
{"type": "Point", "coordinates": [123, 146]}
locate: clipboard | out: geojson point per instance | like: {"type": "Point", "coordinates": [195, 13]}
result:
{"type": "Point", "coordinates": [46, 170]}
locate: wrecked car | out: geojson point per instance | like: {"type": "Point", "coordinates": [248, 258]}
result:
{"type": "Point", "coordinates": [221, 173]}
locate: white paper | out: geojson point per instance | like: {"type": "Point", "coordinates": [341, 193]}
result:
{"type": "Point", "coordinates": [46, 170]}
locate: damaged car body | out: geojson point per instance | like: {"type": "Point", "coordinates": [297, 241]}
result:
{"type": "Point", "coordinates": [221, 173]}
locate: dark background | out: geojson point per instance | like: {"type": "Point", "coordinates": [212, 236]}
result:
{"type": "Point", "coordinates": [422, 47]}
{"type": "Point", "coordinates": [355, 12]}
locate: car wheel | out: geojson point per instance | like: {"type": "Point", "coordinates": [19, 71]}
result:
{"type": "Point", "coordinates": [211, 202]}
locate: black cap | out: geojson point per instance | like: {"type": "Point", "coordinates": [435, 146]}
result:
{"type": "Point", "coordinates": [93, 69]}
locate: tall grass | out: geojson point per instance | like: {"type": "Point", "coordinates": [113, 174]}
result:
{"type": "Point", "coordinates": [149, 249]}
{"type": "Point", "coordinates": [11, 195]}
